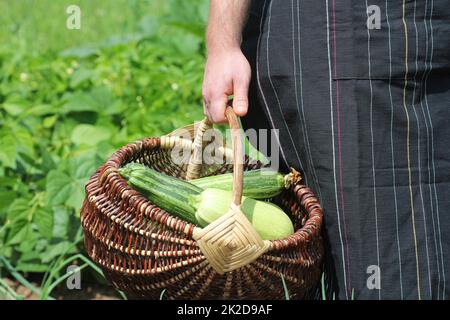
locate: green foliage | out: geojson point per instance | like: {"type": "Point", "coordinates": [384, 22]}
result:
{"type": "Point", "coordinates": [64, 109]}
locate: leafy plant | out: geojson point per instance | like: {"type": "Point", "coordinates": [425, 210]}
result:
{"type": "Point", "coordinates": [64, 109]}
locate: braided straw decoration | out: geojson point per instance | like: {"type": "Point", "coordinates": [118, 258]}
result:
{"type": "Point", "coordinates": [195, 163]}
{"type": "Point", "coordinates": [143, 249]}
{"type": "Point", "coordinates": [231, 242]}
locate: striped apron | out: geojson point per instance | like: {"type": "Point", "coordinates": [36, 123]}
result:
{"type": "Point", "coordinates": [360, 93]}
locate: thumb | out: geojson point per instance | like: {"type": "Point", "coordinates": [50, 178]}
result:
{"type": "Point", "coordinates": [240, 97]}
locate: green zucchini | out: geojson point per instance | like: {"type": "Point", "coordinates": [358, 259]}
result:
{"type": "Point", "coordinates": [202, 206]}
{"type": "Point", "coordinates": [269, 221]}
{"type": "Point", "coordinates": [159, 178]}
{"type": "Point", "coordinates": [258, 184]}
{"type": "Point", "coordinates": [167, 192]}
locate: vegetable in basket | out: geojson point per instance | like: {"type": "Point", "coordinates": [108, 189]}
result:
{"type": "Point", "coordinates": [202, 206]}
{"type": "Point", "coordinates": [269, 220]}
{"type": "Point", "coordinates": [258, 184]}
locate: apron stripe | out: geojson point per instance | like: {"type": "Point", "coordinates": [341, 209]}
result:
{"type": "Point", "coordinates": [302, 119]}
{"type": "Point", "coordinates": [373, 153]}
{"type": "Point", "coordinates": [408, 133]}
{"type": "Point", "coordinates": [295, 75]}
{"type": "Point", "coordinates": [334, 153]}
{"type": "Point", "coordinates": [432, 151]}
{"type": "Point", "coordinates": [269, 16]}
{"type": "Point", "coordinates": [419, 151]}
{"type": "Point", "coordinates": [260, 88]}
{"type": "Point", "coordinates": [428, 152]}
{"type": "Point", "coordinates": [338, 112]}
{"type": "Point", "coordinates": [393, 157]}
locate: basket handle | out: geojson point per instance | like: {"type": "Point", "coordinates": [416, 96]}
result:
{"type": "Point", "coordinates": [195, 162]}
{"type": "Point", "coordinates": [231, 242]}
{"type": "Point", "coordinates": [194, 166]}
{"type": "Point", "coordinates": [238, 155]}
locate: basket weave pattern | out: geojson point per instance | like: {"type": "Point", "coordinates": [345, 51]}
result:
{"type": "Point", "coordinates": [143, 249]}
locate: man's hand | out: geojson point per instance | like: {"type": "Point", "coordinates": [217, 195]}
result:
{"type": "Point", "coordinates": [227, 71]}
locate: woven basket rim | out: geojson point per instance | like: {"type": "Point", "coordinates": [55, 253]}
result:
{"type": "Point", "coordinates": [108, 173]}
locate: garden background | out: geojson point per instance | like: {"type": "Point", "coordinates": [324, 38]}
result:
{"type": "Point", "coordinates": [68, 99]}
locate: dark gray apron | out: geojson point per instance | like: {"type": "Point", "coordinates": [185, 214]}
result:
{"type": "Point", "coordinates": [361, 99]}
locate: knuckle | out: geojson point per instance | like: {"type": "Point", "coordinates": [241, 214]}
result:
{"type": "Point", "coordinates": [214, 118]}
{"type": "Point", "coordinates": [211, 94]}
{"type": "Point", "coordinates": [242, 79]}
{"type": "Point", "coordinates": [240, 98]}
{"type": "Point", "coordinates": [205, 91]}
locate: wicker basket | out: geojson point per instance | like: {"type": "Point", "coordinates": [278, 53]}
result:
{"type": "Point", "coordinates": [143, 249]}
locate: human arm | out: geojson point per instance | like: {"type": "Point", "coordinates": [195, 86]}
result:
{"type": "Point", "coordinates": [227, 71]}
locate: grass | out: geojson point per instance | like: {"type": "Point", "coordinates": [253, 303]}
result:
{"type": "Point", "coordinates": [132, 66]}
{"type": "Point", "coordinates": [52, 278]}
{"type": "Point", "coordinates": [38, 26]}
{"type": "Point", "coordinates": [285, 288]}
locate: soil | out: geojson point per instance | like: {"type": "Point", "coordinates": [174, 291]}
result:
{"type": "Point", "coordinates": [91, 291]}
